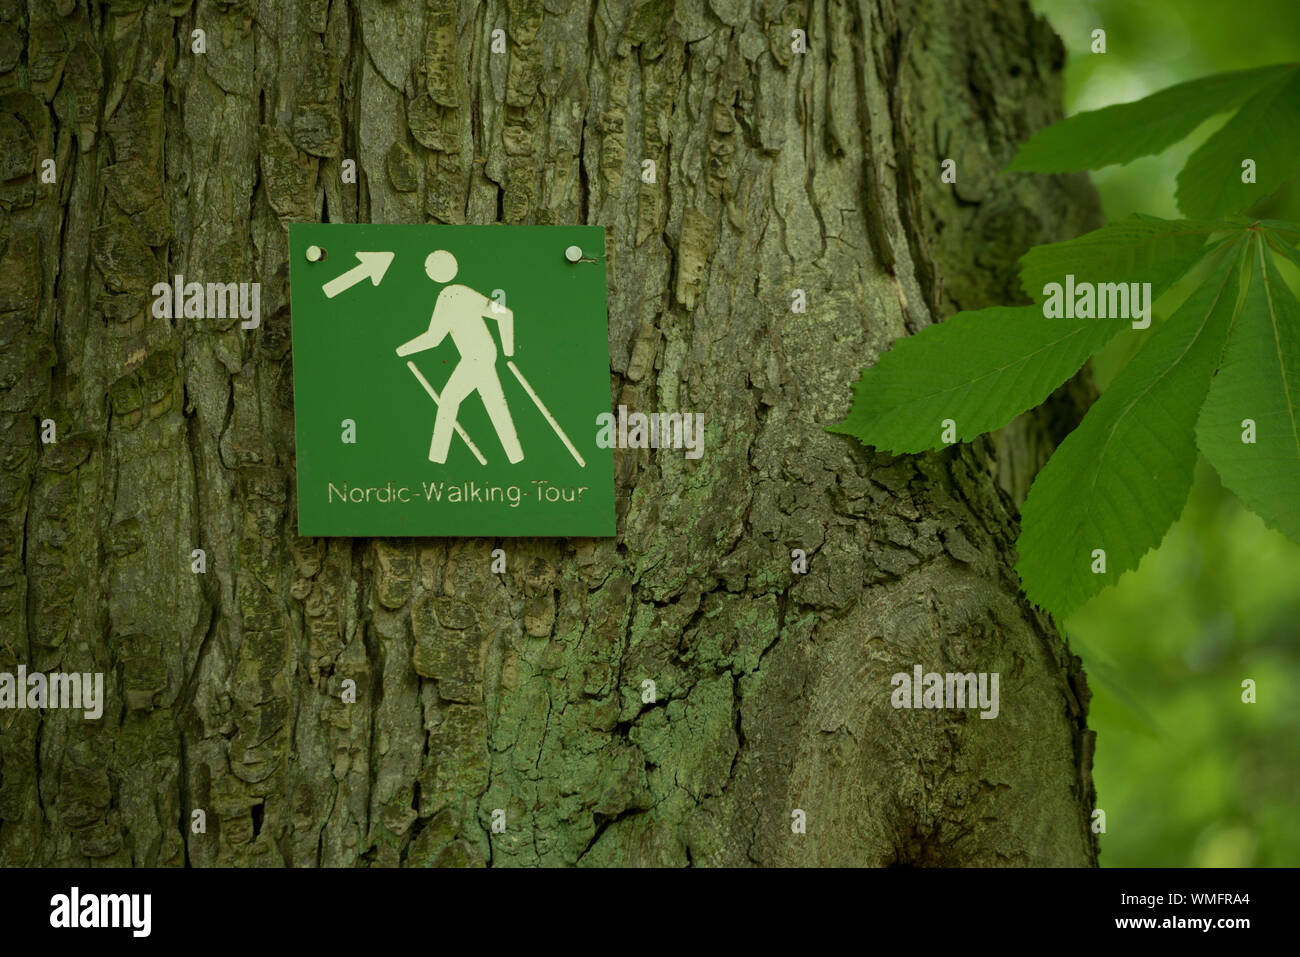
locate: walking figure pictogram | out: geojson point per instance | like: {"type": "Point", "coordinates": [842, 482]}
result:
{"type": "Point", "coordinates": [459, 312]}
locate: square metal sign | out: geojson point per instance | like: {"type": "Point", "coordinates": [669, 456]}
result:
{"type": "Point", "coordinates": [447, 380]}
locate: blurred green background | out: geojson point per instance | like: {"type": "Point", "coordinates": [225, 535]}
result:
{"type": "Point", "coordinates": [1187, 773]}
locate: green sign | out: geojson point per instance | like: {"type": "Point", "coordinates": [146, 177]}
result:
{"type": "Point", "coordinates": [447, 380]}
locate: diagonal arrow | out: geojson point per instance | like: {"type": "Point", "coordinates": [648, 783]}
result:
{"type": "Point", "coordinates": [373, 266]}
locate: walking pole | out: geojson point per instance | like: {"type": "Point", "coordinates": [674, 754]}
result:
{"type": "Point", "coordinates": [546, 412]}
{"type": "Point", "coordinates": [434, 396]}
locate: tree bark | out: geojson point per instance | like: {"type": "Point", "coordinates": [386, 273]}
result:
{"type": "Point", "coordinates": [775, 171]}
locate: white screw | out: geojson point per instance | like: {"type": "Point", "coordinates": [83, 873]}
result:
{"type": "Point", "coordinates": [313, 254]}
{"type": "Point", "coordinates": [573, 254]}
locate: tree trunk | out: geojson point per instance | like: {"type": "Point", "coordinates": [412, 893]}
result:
{"type": "Point", "coordinates": [775, 170]}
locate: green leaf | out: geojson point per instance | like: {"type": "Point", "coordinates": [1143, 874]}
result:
{"type": "Point", "coordinates": [1121, 478]}
{"type": "Point", "coordinates": [1267, 130]}
{"type": "Point", "coordinates": [1278, 239]}
{"type": "Point", "coordinates": [980, 369]}
{"type": "Point", "coordinates": [1278, 226]}
{"type": "Point", "coordinates": [1137, 249]}
{"type": "Point", "coordinates": [1260, 380]}
{"type": "Point", "coordinates": [1118, 134]}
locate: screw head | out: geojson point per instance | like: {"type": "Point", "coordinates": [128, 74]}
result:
{"type": "Point", "coordinates": [313, 254]}
{"type": "Point", "coordinates": [573, 254]}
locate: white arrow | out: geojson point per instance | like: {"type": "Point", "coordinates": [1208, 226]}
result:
{"type": "Point", "coordinates": [373, 266]}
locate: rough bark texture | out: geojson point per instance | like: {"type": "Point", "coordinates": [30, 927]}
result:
{"type": "Point", "coordinates": [775, 171]}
